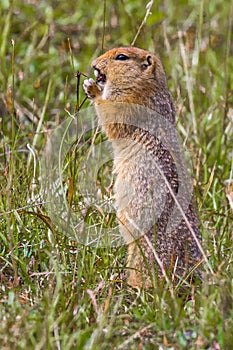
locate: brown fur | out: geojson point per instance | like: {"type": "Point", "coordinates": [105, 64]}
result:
{"type": "Point", "coordinates": [136, 89]}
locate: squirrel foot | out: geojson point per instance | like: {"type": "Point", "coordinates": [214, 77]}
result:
{"type": "Point", "coordinates": [91, 89]}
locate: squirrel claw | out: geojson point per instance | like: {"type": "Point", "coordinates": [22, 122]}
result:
{"type": "Point", "coordinates": [91, 89]}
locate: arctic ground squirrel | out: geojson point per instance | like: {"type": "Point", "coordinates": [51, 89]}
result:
{"type": "Point", "coordinates": [153, 191]}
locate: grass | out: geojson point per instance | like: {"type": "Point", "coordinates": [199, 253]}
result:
{"type": "Point", "coordinates": [56, 293]}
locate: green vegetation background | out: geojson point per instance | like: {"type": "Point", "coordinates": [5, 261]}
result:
{"type": "Point", "coordinates": [54, 293]}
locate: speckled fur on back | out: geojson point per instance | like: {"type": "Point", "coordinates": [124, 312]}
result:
{"type": "Point", "coordinates": [134, 92]}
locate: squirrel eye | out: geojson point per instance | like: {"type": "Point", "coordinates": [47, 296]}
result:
{"type": "Point", "coordinates": [121, 57]}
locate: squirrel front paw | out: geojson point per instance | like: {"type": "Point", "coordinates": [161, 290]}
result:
{"type": "Point", "coordinates": [91, 89]}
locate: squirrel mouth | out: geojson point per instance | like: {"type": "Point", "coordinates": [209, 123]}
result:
{"type": "Point", "coordinates": [100, 77]}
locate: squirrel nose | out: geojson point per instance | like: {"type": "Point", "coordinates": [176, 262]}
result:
{"type": "Point", "coordinates": [94, 64]}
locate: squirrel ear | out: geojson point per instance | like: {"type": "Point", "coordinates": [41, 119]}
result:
{"type": "Point", "coordinates": [149, 62]}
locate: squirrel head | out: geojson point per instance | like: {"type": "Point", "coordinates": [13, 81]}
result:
{"type": "Point", "coordinates": [133, 75]}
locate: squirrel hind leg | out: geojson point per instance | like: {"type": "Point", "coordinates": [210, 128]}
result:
{"type": "Point", "coordinates": [140, 268]}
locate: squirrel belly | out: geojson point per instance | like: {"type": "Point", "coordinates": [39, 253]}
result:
{"type": "Point", "coordinates": [135, 109]}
